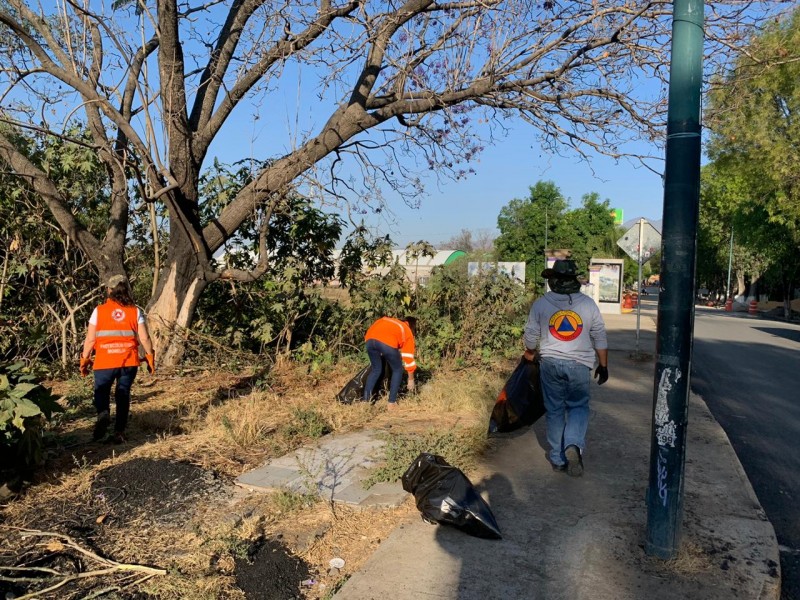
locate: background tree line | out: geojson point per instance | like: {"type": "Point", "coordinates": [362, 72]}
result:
{"type": "Point", "coordinates": [543, 221]}
{"type": "Point", "coordinates": [751, 185]}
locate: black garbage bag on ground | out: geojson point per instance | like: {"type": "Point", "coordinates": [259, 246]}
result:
{"type": "Point", "coordinates": [520, 402]}
{"type": "Point", "coordinates": [353, 391]}
{"type": "Point", "coordinates": [445, 495]}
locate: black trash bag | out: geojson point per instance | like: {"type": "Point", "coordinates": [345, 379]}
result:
{"type": "Point", "coordinates": [520, 402]}
{"type": "Point", "coordinates": [353, 391]}
{"type": "Point", "coordinates": [445, 495]}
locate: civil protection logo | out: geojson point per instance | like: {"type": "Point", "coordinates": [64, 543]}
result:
{"type": "Point", "coordinates": [565, 325]}
{"type": "Point", "coordinates": [118, 314]}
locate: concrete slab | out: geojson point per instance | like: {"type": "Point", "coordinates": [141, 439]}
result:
{"type": "Point", "coordinates": [334, 468]}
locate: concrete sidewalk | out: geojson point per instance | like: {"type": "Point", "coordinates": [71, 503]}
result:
{"type": "Point", "coordinates": [582, 538]}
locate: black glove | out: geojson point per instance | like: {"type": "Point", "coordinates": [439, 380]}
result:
{"type": "Point", "coordinates": [601, 374]}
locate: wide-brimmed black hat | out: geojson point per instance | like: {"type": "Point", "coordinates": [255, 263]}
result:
{"type": "Point", "coordinates": [562, 269]}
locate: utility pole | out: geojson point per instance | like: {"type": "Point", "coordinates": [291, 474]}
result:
{"type": "Point", "coordinates": [676, 295]}
{"type": "Point", "coordinates": [546, 228]}
{"type": "Point", "coordinates": [639, 286]}
{"type": "Point", "coordinates": [730, 264]}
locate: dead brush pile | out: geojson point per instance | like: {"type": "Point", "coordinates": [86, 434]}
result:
{"type": "Point", "coordinates": [160, 517]}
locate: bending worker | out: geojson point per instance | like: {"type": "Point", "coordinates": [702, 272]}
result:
{"type": "Point", "coordinates": [116, 329]}
{"type": "Point", "coordinates": [393, 340]}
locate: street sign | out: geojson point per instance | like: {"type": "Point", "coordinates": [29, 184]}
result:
{"type": "Point", "coordinates": [651, 241]}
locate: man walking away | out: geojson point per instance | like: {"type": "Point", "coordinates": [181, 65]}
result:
{"type": "Point", "coordinates": [568, 330]}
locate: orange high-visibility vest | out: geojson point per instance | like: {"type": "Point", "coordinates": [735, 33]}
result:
{"type": "Point", "coordinates": [115, 343]}
{"type": "Point", "coordinates": [397, 334]}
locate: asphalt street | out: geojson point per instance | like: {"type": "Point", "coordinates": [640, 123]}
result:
{"type": "Point", "coordinates": [748, 373]}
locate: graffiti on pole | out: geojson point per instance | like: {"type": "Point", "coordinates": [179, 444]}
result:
{"type": "Point", "coordinates": [665, 428]}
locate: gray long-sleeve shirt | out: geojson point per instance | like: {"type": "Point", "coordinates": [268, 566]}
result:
{"type": "Point", "coordinates": [567, 326]}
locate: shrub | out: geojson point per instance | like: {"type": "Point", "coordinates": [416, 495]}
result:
{"type": "Point", "coordinates": [467, 318]}
{"type": "Point", "coordinates": [25, 406]}
{"type": "Point", "coordinates": [307, 423]}
{"type": "Point", "coordinates": [459, 447]}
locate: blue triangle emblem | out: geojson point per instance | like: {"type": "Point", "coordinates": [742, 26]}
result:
{"type": "Point", "coordinates": [565, 326]}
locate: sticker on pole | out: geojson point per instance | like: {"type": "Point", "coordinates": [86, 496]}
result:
{"type": "Point", "coordinates": [651, 241]}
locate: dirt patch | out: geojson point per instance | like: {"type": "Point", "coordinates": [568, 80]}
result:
{"type": "Point", "coordinates": [270, 572]}
{"type": "Point", "coordinates": [165, 498]}
{"type": "Point", "coordinates": [165, 490]}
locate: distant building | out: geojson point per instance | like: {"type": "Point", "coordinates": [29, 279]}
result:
{"type": "Point", "coordinates": [418, 269]}
{"type": "Point", "coordinates": [514, 270]}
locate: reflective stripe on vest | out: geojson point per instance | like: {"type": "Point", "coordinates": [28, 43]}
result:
{"type": "Point", "coordinates": [116, 333]}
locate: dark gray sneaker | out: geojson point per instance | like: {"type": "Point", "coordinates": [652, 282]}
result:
{"type": "Point", "coordinates": [574, 461]}
{"type": "Point", "coordinates": [101, 426]}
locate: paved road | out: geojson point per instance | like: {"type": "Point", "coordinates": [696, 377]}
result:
{"type": "Point", "coordinates": [748, 372]}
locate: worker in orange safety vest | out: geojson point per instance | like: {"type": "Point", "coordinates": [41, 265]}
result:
{"type": "Point", "coordinates": [393, 340]}
{"type": "Point", "coordinates": [116, 330]}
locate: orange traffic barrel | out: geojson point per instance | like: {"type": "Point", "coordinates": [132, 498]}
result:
{"type": "Point", "coordinates": [753, 310]}
{"type": "Point", "coordinates": [627, 303]}
{"type": "Point", "coordinates": [729, 305]}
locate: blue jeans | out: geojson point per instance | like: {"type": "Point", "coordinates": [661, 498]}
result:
{"type": "Point", "coordinates": [376, 351]}
{"type": "Point", "coordinates": [565, 387]}
{"type": "Point", "coordinates": [103, 380]}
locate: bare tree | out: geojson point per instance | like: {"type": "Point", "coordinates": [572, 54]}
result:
{"type": "Point", "coordinates": [478, 241]}
{"type": "Point", "coordinates": [399, 88]}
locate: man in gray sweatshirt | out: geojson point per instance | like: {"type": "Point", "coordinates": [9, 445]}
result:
{"type": "Point", "coordinates": [567, 329]}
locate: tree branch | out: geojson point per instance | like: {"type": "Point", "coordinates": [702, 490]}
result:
{"type": "Point", "coordinates": [43, 186]}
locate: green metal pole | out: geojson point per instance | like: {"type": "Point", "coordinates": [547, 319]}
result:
{"type": "Point", "coordinates": [676, 296]}
{"type": "Point", "coordinates": [730, 265]}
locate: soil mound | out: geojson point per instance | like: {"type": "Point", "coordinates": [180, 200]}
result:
{"type": "Point", "coordinates": [271, 572]}
{"type": "Point", "coordinates": [163, 490]}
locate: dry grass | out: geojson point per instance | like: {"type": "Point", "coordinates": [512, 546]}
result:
{"type": "Point", "coordinates": [229, 423]}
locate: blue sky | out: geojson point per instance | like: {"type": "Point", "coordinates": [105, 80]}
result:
{"type": "Point", "coordinates": [503, 171]}
{"type": "Point", "coordinates": [506, 171]}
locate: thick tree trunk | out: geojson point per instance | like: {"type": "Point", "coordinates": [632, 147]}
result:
{"type": "Point", "coordinates": [171, 311]}
{"type": "Point", "coordinates": [172, 307]}
{"type": "Point", "coordinates": [740, 286]}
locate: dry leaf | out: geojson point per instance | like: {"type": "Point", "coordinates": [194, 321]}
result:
{"type": "Point", "coordinates": [54, 546]}
{"type": "Point", "coordinates": [100, 519]}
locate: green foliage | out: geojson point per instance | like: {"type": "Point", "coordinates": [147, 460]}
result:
{"type": "Point", "coordinates": [25, 405]}
{"type": "Point", "coordinates": [307, 423]}
{"type": "Point", "coordinates": [462, 318]}
{"type": "Point", "coordinates": [46, 284]}
{"type": "Point", "coordinates": [588, 231]}
{"type": "Point", "coordinates": [458, 446]}
{"type": "Point", "coordinates": [543, 222]}
{"type": "Point", "coordinates": [527, 227]}
{"type": "Point", "coordinates": [282, 309]}
{"type": "Point", "coordinates": [753, 114]}
{"type": "Point", "coordinates": [286, 501]}
{"type": "Point", "coordinates": [752, 184]}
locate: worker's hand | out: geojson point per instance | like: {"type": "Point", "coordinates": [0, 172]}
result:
{"type": "Point", "coordinates": [601, 374]}
{"type": "Point", "coordinates": [151, 363]}
{"type": "Point", "coordinates": [530, 355]}
{"type": "Point", "coordinates": [411, 383]}
{"type": "Point", "coordinates": [86, 364]}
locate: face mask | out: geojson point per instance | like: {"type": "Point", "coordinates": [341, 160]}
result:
{"type": "Point", "coordinates": [564, 286]}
